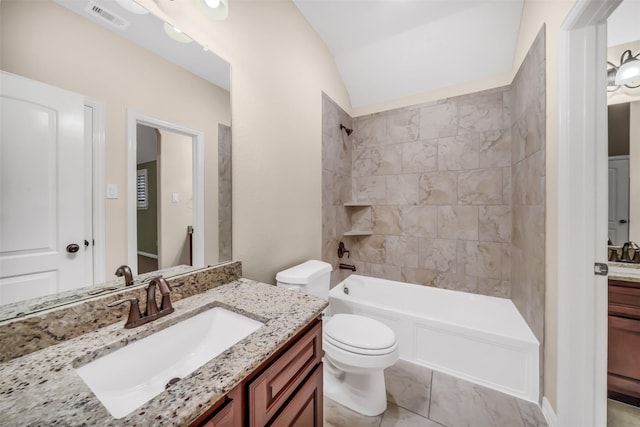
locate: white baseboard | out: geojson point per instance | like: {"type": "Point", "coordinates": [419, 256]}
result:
{"type": "Point", "coordinates": [549, 413]}
{"type": "Point", "coordinates": [148, 255]}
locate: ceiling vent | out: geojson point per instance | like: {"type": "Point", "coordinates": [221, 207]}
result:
{"type": "Point", "coordinates": [99, 12]}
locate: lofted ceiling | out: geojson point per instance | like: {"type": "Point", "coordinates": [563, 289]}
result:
{"type": "Point", "coordinates": [389, 49]}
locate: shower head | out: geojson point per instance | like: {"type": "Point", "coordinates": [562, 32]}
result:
{"type": "Point", "coordinates": [346, 129]}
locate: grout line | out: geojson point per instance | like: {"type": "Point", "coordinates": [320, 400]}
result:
{"type": "Point", "coordinates": [430, 395]}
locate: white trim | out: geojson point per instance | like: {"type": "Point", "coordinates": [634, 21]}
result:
{"type": "Point", "coordinates": [549, 414]}
{"type": "Point", "coordinates": [582, 220]}
{"type": "Point", "coordinates": [133, 118]}
{"type": "Point", "coordinates": [620, 157]}
{"type": "Point", "coordinates": [99, 225]}
{"type": "Point", "coordinates": [148, 255]}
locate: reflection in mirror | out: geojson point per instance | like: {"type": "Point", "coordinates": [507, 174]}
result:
{"type": "Point", "coordinates": [164, 193]}
{"type": "Point", "coordinates": [618, 127]}
{"type": "Point", "coordinates": [54, 42]}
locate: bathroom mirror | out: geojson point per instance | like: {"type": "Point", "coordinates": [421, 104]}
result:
{"type": "Point", "coordinates": [50, 42]}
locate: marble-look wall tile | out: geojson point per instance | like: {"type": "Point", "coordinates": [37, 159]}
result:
{"type": "Point", "coordinates": [402, 189]}
{"type": "Point", "coordinates": [359, 218]}
{"type": "Point", "coordinates": [494, 287]}
{"type": "Point", "coordinates": [224, 193]}
{"type": "Point", "coordinates": [370, 132]}
{"type": "Point", "coordinates": [420, 221]}
{"type": "Point", "coordinates": [528, 130]}
{"type": "Point", "coordinates": [494, 223]}
{"type": "Point", "coordinates": [371, 249]}
{"type": "Point", "coordinates": [438, 254]}
{"type": "Point", "coordinates": [459, 152]}
{"type": "Point", "coordinates": [447, 172]}
{"type": "Point", "coordinates": [507, 186]}
{"type": "Point", "coordinates": [403, 126]}
{"type": "Point", "coordinates": [480, 187]}
{"type": "Point", "coordinates": [495, 149]}
{"type": "Point", "coordinates": [437, 121]}
{"type": "Point", "coordinates": [419, 276]}
{"type": "Point", "coordinates": [384, 160]}
{"type": "Point", "coordinates": [480, 259]}
{"type": "Point", "coordinates": [386, 220]}
{"type": "Point", "coordinates": [372, 189]}
{"type": "Point", "coordinates": [438, 188]}
{"type": "Point", "coordinates": [458, 222]}
{"type": "Point", "coordinates": [528, 180]}
{"type": "Point", "coordinates": [420, 156]}
{"type": "Point", "coordinates": [336, 182]}
{"type": "Point", "coordinates": [480, 113]}
{"type": "Point", "coordinates": [457, 282]}
{"type": "Point", "coordinates": [402, 251]}
{"type": "Point", "coordinates": [384, 271]}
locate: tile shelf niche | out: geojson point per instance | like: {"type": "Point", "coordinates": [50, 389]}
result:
{"type": "Point", "coordinates": [358, 219]}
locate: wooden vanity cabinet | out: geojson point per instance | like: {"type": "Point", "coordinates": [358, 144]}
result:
{"type": "Point", "coordinates": [285, 390]}
{"type": "Point", "coordinates": [623, 376]}
{"type": "Point", "coordinates": [227, 412]}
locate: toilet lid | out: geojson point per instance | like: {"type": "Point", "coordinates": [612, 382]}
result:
{"type": "Point", "coordinates": [359, 332]}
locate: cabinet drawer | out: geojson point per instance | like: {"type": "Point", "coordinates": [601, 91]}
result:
{"type": "Point", "coordinates": [271, 389]}
{"type": "Point", "coordinates": [305, 408]}
{"type": "Point", "coordinates": [624, 300]}
{"type": "Point", "coordinates": [227, 412]}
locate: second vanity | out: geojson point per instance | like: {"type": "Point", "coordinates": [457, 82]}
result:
{"type": "Point", "coordinates": [274, 375]}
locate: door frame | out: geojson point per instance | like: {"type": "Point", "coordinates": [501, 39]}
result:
{"type": "Point", "coordinates": [133, 118]}
{"type": "Point", "coordinates": [582, 218]}
{"type": "Point", "coordinates": [98, 202]}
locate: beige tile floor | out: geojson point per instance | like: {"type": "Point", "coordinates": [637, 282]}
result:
{"type": "Point", "coordinates": [418, 396]}
{"type": "Point", "coordinates": [622, 415]}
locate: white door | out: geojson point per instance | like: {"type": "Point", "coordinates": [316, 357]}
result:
{"type": "Point", "coordinates": [42, 216]}
{"type": "Point", "coordinates": [619, 199]}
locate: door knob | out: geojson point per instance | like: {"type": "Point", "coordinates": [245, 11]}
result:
{"type": "Point", "coordinates": [72, 248]}
{"type": "Point", "coordinates": [623, 221]}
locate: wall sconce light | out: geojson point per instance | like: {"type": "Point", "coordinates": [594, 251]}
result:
{"type": "Point", "coordinates": [626, 74]}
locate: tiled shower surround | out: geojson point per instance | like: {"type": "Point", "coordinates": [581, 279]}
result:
{"type": "Point", "coordinates": [455, 187]}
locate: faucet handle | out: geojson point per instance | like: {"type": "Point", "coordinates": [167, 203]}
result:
{"type": "Point", "coordinates": [134, 311]}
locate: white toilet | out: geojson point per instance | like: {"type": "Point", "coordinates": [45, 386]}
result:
{"type": "Point", "coordinates": [357, 348]}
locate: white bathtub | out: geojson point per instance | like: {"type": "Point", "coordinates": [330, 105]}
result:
{"type": "Point", "coordinates": [474, 337]}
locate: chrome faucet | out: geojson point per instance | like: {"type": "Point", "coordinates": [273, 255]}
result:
{"type": "Point", "coordinates": [125, 271]}
{"type": "Point", "coordinates": [136, 318]}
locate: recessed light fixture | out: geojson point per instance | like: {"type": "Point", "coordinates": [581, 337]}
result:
{"type": "Point", "coordinates": [214, 9]}
{"type": "Point", "coordinates": [176, 34]}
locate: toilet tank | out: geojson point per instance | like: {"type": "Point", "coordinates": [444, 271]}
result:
{"type": "Point", "coordinates": [311, 277]}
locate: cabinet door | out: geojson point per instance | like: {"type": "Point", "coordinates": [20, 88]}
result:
{"type": "Point", "coordinates": [273, 387]}
{"type": "Point", "coordinates": [305, 407]}
{"type": "Point", "coordinates": [624, 356]}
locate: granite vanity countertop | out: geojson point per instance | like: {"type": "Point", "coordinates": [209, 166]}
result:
{"type": "Point", "coordinates": [624, 271]}
{"type": "Point", "coordinates": [42, 388]}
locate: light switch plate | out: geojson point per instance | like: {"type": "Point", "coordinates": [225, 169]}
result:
{"type": "Point", "coordinates": [112, 191]}
{"type": "Point", "coordinates": [175, 197]}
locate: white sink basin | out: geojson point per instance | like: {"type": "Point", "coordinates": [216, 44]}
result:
{"type": "Point", "coordinates": [131, 376]}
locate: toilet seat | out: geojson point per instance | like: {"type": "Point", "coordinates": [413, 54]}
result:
{"type": "Point", "coordinates": [360, 335]}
